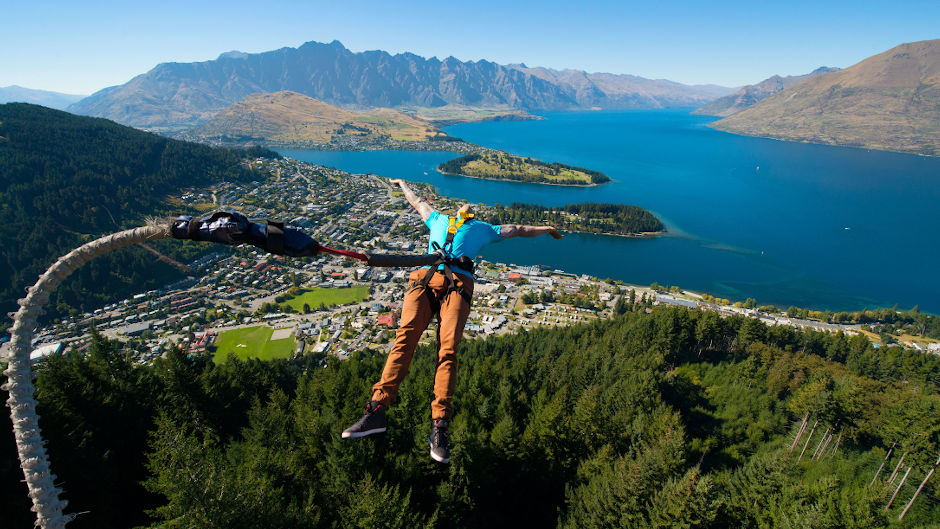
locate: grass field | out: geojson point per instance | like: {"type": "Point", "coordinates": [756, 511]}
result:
{"type": "Point", "coordinates": [251, 342]}
{"type": "Point", "coordinates": [328, 297]}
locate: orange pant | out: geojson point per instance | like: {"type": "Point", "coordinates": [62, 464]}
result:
{"type": "Point", "coordinates": [415, 317]}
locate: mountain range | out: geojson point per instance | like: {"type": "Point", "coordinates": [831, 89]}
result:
{"type": "Point", "coordinates": [175, 96]}
{"type": "Point", "coordinates": [19, 94]}
{"type": "Point", "coordinates": [749, 95]}
{"type": "Point", "coordinates": [889, 101]}
{"type": "Point", "coordinates": [613, 91]}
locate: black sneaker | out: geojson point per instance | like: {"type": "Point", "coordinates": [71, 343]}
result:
{"type": "Point", "coordinates": [372, 422]}
{"type": "Point", "coordinates": [440, 448]}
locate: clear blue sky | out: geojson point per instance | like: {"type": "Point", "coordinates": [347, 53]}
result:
{"type": "Point", "coordinates": [82, 46]}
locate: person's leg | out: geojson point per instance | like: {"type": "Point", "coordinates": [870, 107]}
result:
{"type": "Point", "coordinates": [453, 318]}
{"type": "Point", "coordinates": [416, 314]}
{"type": "Point", "coordinates": [415, 317]}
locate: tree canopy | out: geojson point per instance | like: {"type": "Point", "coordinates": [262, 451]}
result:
{"type": "Point", "coordinates": [585, 217]}
{"type": "Point", "coordinates": [65, 179]}
{"type": "Point", "coordinates": [674, 418]}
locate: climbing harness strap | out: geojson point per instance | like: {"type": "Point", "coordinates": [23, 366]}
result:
{"type": "Point", "coordinates": [452, 286]}
{"type": "Point", "coordinates": [445, 263]}
{"type": "Point", "coordinates": [454, 224]}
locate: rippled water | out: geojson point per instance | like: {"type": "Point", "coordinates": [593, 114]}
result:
{"type": "Point", "coordinates": [785, 223]}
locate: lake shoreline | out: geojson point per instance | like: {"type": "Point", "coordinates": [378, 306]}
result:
{"type": "Point", "coordinates": [521, 181]}
{"type": "Point", "coordinates": [789, 219]}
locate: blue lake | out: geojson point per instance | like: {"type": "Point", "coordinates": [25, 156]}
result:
{"type": "Point", "coordinates": [786, 223]}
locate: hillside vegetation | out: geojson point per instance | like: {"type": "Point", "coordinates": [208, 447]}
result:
{"type": "Point", "coordinates": [65, 179]}
{"type": "Point", "coordinates": [503, 166]}
{"type": "Point", "coordinates": [677, 418]}
{"type": "Point", "coordinates": [890, 101]}
{"type": "Point", "coordinates": [289, 118]}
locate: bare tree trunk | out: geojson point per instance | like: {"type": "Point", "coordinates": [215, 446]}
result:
{"type": "Point", "coordinates": [29, 444]}
{"type": "Point", "coordinates": [835, 449]}
{"type": "Point", "coordinates": [822, 451]}
{"type": "Point", "coordinates": [897, 490]}
{"type": "Point", "coordinates": [920, 488]}
{"type": "Point", "coordinates": [808, 439]}
{"type": "Point", "coordinates": [799, 432]}
{"type": "Point", "coordinates": [825, 436]}
{"type": "Point", "coordinates": [896, 468]}
{"type": "Point", "coordinates": [888, 456]}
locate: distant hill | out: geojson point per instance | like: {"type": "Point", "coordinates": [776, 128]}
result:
{"type": "Point", "coordinates": [177, 96]}
{"type": "Point", "coordinates": [288, 117]}
{"type": "Point", "coordinates": [890, 101]}
{"type": "Point", "coordinates": [67, 178]}
{"type": "Point", "coordinates": [18, 94]}
{"type": "Point", "coordinates": [613, 91]}
{"type": "Point", "coordinates": [751, 94]}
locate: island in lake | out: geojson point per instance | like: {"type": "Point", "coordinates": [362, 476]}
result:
{"type": "Point", "coordinates": [586, 217]}
{"type": "Point", "coordinates": [504, 166]}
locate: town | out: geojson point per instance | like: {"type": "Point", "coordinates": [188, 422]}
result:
{"type": "Point", "coordinates": [246, 303]}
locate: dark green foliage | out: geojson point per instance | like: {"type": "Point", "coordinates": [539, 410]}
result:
{"type": "Point", "coordinates": [14, 496]}
{"type": "Point", "coordinates": [773, 490]}
{"type": "Point", "coordinates": [456, 166]}
{"type": "Point", "coordinates": [97, 408]}
{"type": "Point", "coordinates": [676, 418]}
{"type": "Point", "coordinates": [65, 179]}
{"type": "Point", "coordinates": [587, 217]}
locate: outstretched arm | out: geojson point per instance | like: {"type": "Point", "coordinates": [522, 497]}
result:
{"type": "Point", "coordinates": [423, 208]}
{"type": "Point", "coordinates": [508, 231]}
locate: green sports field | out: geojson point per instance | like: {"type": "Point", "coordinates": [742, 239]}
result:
{"type": "Point", "coordinates": [329, 297]}
{"type": "Point", "coordinates": [251, 342]}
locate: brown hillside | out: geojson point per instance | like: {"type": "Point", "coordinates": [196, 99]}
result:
{"type": "Point", "coordinates": [750, 95]}
{"type": "Point", "coordinates": [890, 101]}
{"type": "Point", "coordinates": [288, 117]}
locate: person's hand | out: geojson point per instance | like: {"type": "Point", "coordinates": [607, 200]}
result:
{"type": "Point", "coordinates": [396, 181]}
{"type": "Point", "coordinates": [555, 234]}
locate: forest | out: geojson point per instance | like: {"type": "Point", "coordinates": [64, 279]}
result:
{"type": "Point", "coordinates": [65, 179]}
{"type": "Point", "coordinates": [586, 217]}
{"type": "Point", "coordinates": [658, 417]}
{"type": "Point", "coordinates": [502, 166]}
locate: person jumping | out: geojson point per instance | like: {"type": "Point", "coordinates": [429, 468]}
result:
{"type": "Point", "coordinates": [445, 290]}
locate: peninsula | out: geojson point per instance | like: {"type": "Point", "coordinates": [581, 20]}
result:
{"type": "Point", "coordinates": [290, 119]}
{"type": "Point", "coordinates": [503, 166]}
{"type": "Point", "coordinates": [586, 217]}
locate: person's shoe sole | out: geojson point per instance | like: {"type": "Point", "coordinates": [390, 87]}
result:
{"type": "Point", "coordinates": [438, 458]}
{"type": "Point", "coordinates": [347, 435]}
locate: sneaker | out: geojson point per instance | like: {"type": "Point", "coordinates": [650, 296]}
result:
{"type": "Point", "coordinates": [440, 449]}
{"type": "Point", "coordinates": [372, 422]}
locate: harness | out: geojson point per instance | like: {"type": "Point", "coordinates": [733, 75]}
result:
{"type": "Point", "coordinates": [445, 261]}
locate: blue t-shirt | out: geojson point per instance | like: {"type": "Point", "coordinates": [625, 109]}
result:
{"type": "Point", "coordinates": [470, 238]}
